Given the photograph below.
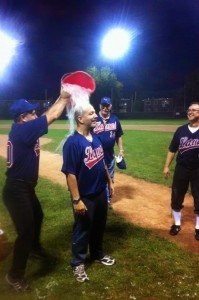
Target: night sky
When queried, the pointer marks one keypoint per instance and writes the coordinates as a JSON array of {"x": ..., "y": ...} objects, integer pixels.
[{"x": 58, "y": 37}]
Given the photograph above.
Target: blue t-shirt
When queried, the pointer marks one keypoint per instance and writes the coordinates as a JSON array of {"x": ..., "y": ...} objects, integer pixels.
[
  {"x": 23, "y": 149},
  {"x": 85, "y": 160},
  {"x": 187, "y": 145},
  {"x": 108, "y": 133}
]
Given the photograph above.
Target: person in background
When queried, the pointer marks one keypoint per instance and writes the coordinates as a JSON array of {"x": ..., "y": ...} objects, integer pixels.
[
  {"x": 87, "y": 176},
  {"x": 186, "y": 143},
  {"x": 19, "y": 195},
  {"x": 109, "y": 130}
]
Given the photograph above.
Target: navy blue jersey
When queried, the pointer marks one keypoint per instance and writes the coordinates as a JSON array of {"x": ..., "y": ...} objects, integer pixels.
[
  {"x": 187, "y": 145},
  {"x": 85, "y": 160},
  {"x": 23, "y": 149},
  {"x": 108, "y": 133}
]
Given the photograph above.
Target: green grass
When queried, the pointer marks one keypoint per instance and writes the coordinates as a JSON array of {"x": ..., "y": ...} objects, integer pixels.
[
  {"x": 145, "y": 152},
  {"x": 128, "y": 122},
  {"x": 148, "y": 266}
]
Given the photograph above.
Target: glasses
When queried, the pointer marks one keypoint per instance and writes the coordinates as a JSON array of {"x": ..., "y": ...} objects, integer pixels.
[
  {"x": 192, "y": 110},
  {"x": 105, "y": 105}
]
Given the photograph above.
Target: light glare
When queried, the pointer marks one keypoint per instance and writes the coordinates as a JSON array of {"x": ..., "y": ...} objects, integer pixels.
[
  {"x": 116, "y": 43},
  {"x": 7, "y": 50}
]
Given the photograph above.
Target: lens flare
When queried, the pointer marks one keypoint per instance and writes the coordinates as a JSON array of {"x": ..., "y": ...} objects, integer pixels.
[
  {"x": 116, "y": 43},
  {"x": 7, "y": 50}
]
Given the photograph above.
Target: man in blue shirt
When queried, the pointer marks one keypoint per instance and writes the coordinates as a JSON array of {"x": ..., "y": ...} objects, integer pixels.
[
  {"x": 19, "y": 195},
  {"x": 109, "y": 131},
  {"x": 87, "y": 176}
]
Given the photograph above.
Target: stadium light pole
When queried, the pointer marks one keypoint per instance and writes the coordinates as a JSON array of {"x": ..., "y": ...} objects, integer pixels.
[{"x": 115, "y": 44}]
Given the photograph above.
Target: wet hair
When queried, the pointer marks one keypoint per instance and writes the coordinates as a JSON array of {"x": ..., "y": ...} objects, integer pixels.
[{"x": 79, "y": 110}]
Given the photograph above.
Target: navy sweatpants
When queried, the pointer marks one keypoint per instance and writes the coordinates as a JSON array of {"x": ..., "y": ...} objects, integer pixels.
[
  {"x": 25, "y": 210},
  {"x": 88, "y": 229}
]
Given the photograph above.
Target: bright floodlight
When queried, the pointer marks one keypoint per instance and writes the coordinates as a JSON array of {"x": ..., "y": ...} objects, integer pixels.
[
  {"x": 7, "y": 49},
  {"x": 116, "y": 43}
]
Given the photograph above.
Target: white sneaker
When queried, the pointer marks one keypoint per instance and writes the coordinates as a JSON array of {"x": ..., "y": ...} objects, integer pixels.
[
  {"x": 80, "y": 273},
  {"x": 107, "y": 260},
  {"x": 1, "y": 232}
]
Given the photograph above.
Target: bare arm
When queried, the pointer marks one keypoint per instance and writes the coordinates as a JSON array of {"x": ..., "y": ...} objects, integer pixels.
[
  {"x": 57, "y": 108},
  {"x": 120, "y": 146},
  {"x": 169, "y": 159},
  {"x": 79, "y": 208}
]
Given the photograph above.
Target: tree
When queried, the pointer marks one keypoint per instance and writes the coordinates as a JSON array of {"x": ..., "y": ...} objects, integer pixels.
[{"x": 106, "y": 85}]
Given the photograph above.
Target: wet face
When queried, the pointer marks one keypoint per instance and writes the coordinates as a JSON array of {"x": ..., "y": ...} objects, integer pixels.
[
  {"x": 88, "y": 118},
  {"x": 193, "y": 112}
]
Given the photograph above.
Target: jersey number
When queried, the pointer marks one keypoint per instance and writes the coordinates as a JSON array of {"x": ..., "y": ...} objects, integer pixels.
[{"x": 9, "y": 154}]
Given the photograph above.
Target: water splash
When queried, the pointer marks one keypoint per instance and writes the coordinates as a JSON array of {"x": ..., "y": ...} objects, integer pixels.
[{"x": 79, "y": 96}]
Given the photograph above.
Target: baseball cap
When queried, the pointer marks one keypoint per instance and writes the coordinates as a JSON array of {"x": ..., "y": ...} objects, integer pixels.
[
  {"x": 21, "y": 106},
  {"x": 120, "y": 162},
  {"x": 106, "y": 100}
]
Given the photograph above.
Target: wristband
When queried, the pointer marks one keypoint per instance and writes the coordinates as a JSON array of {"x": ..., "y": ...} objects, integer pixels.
[{"x": 76, "y": 201}]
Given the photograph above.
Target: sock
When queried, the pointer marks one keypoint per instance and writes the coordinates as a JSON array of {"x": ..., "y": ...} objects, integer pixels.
[
  {"x": 197, "y": 221},
  {"x": 177, "y": 217}
]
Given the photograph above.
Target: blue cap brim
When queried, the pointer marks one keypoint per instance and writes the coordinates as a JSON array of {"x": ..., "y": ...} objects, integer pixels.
[{"x": 121, "y": 165}]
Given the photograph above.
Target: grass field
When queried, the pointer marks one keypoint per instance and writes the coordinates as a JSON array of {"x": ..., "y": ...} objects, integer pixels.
[{"x": 148, "y": 266}]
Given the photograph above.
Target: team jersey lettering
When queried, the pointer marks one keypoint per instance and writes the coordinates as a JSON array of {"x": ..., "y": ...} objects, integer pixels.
[
  {"x": 37, "y": 148},
  {"x": 100, "y": 127},
  {"x": 9, "y": 154},
  {"x": 188, "y": 144},
  {"x": 93, "y": 156}
]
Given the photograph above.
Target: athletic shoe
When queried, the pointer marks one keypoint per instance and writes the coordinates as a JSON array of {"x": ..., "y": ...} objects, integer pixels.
[
  {"x": 1, "y": 232},
  {"x": 19, "y": 285},
  {"x": 197, "y": 234},
  {"x": 174, "y": 229},
  {"x": 80, "y": 273},
  {"x": 107, "y": 260}
]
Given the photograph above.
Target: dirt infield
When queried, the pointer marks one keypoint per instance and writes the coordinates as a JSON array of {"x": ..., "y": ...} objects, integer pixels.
[
  {"x": 140, "y": 202},
  {"x": 169, "y": 128}
]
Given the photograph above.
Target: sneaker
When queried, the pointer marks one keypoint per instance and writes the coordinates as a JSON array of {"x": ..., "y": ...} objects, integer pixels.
[
  {"x": 80, "y": 273},
  {"x": 174, "y": 229},
  {"x": 1, "y": 232},
  {"x": 197, "y": 234},
  {"x": 107, "y": 260},
  {"x": 19, "y": 285}
]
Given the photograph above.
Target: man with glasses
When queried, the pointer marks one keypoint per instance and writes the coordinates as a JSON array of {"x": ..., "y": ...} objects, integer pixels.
[
  {"x": 186, "y": 143},
  {"x": 109, "y": 130},
  {"x": 19, "y": 195}
]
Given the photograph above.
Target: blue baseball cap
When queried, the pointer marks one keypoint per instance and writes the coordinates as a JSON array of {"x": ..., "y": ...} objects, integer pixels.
[
  {"x": 106, "y": 100},
  {"x": 21, "y": 106},
  {"x": 120, "y": 162}
]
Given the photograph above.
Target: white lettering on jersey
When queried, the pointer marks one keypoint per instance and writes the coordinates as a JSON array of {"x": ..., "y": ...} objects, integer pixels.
[
  {"x": 100, "y": 127},
  {"x": 93, "y": 156},
  {"x": 188, "y": 144}
]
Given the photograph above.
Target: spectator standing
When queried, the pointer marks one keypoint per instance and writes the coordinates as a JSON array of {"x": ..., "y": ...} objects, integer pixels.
[
  {"x": 109, "y": 130},
  {"x": 186, "y": 143}
]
